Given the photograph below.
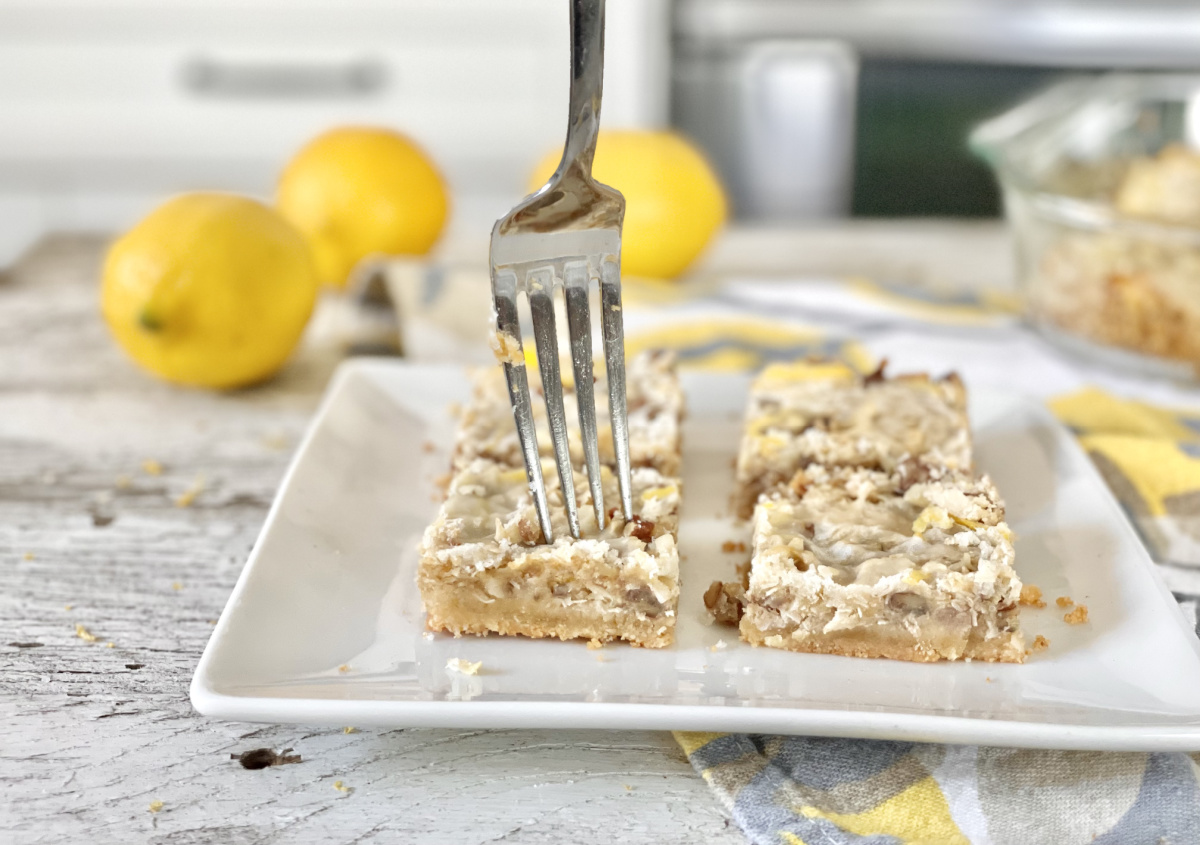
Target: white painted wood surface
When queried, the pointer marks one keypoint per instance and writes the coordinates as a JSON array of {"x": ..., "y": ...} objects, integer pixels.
[{"x": 91, "y": 735}]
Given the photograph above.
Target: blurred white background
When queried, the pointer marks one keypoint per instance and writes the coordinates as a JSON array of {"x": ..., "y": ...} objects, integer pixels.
[
  {"x": 807, "y": 108},
  {"x": 107, "y": 107}
]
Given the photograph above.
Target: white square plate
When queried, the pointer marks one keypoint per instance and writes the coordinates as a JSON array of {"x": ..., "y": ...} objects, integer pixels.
[{"x": 325, "y": 624}]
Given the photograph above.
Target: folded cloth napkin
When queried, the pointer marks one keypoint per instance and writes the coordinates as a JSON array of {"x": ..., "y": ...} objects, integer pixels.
[
  {"x": 819, "y": 791},
  {"x": 1150, "y": 457},
  {"x": 785, "y": 790}
]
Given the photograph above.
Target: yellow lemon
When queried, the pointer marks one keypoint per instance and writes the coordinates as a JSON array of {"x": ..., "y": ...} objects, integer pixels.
[
  {"x": 212, "y": 290},
  {"x": 357, "y": 192},
  {"x": 674, "y": 203}
]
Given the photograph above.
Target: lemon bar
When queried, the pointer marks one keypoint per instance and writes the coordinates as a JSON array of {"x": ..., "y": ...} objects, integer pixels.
[
  {"x": 823, "y": 412},
  {"x": 914, "y": 565},
  {"x": 484, "y": 567}
]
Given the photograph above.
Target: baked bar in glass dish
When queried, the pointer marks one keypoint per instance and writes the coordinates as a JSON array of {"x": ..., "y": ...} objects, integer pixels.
[
  {"x": 484, "y": 567},
  {"x": 914, "y": 564},
  {"x": 824, "y": 412}
]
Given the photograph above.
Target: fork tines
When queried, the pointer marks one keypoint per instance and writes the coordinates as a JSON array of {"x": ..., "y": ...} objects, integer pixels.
[{"x": 539, "y": 279}]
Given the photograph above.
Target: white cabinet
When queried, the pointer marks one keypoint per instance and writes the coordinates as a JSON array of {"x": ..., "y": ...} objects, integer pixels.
[{"x": 105, "y": 108}]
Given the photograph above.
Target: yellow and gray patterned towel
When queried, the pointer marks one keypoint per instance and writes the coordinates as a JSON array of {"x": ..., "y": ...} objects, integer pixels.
[
  {"x": 1150, "y": 457},
  {"x": 819, "y": 791}
]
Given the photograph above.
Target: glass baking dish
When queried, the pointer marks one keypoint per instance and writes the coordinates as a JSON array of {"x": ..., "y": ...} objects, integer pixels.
[{"x": 1101, "y": 184}]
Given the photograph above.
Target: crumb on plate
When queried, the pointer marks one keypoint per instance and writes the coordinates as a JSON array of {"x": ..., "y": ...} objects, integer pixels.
[
  {"x": 1077, "y": 616},
  {"x": 1040, "y": 643},
  {"x": 463, "y": 667},
  {"x": 730, "y": 546},
  {"x": 1064, "y": 601},
  {"x": 1031, "y": 596},
  {"x": 724, "y": 600}
]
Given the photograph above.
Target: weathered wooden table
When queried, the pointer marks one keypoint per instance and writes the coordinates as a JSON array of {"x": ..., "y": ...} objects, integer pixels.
[{"x": 127, "y": 508}]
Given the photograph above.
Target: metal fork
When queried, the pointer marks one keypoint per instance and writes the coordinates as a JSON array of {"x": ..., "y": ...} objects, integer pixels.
[{"x": 567, "y": 234}]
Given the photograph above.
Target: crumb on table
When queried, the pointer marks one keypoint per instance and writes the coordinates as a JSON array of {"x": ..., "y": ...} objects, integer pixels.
[
  {"x": 152, "y": 467},
  {"x": 84, "y": 634},
  {"x": 1064, "y": 601},
  {"x": 1077, "y": 616},
  {"x": 1031, "y": 596},
  {"x": 262, "y": 758},
  {"x": 155, "y": 806},
  {"x": 188, "y": 496}
]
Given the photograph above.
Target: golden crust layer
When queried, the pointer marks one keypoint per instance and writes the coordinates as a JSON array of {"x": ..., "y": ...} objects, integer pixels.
[
  {"x": 872, "y": 644},
  {"x": 460, "y": 614}
]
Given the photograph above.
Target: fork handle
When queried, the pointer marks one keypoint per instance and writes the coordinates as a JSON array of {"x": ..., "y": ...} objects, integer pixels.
[{"x": 587, "y": 83}]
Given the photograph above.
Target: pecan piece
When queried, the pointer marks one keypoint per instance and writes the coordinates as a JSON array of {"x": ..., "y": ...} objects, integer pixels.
[
  {"x": 643, "y": 529},
  {"x": 724, "y": 601}
]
